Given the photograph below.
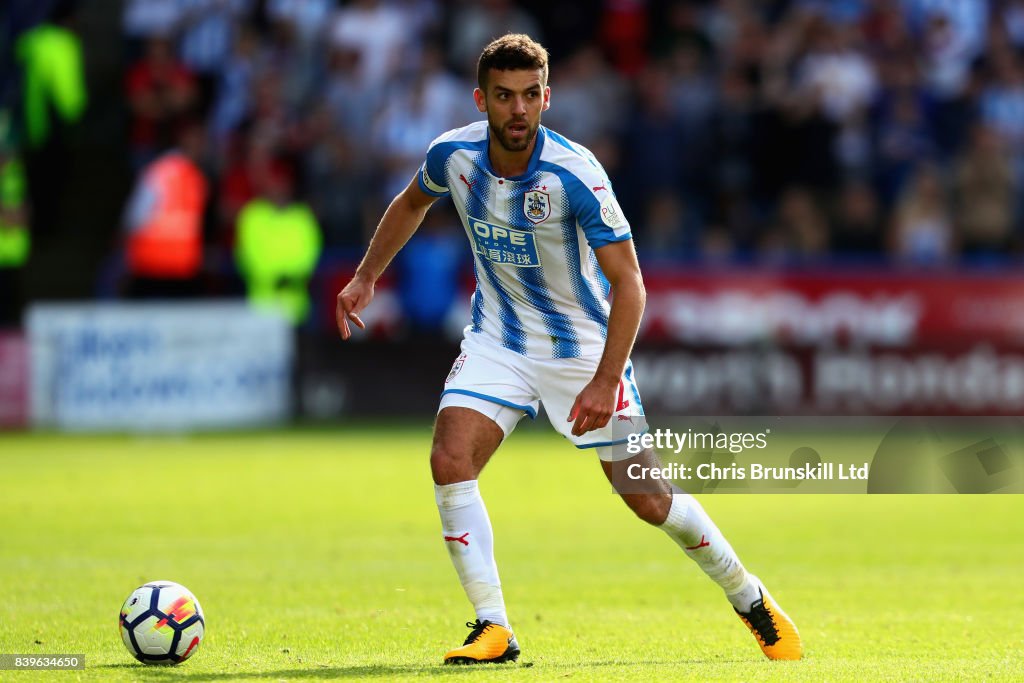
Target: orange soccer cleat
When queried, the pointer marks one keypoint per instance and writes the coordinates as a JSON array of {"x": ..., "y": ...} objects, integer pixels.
[
  {"x": 774, "y": 630},
  {"x": 488, "y": 643}
]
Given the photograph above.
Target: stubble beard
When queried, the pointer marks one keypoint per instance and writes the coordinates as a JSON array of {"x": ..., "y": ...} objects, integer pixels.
[{"x": 507, "y": 144}]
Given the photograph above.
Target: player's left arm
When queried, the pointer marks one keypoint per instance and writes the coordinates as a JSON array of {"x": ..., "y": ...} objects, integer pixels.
[{"x": 595, "y": 405}]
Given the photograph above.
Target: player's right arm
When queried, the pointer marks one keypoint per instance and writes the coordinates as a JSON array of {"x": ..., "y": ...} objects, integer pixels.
[{"x": 400, "y": 221}]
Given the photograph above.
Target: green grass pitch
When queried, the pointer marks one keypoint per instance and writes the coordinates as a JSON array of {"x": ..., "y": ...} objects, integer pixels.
[{"x": 317, "y": 554}]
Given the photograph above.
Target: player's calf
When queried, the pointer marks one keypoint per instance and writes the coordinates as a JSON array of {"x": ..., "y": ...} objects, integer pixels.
[
  {"x": 650, "y": 507},
  {"x": 680, "y": 516},
  {"x": 463, "y": 442},
  {"x": 649, "y": 499}
]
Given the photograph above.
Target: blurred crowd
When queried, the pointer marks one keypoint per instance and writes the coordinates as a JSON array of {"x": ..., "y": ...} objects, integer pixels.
[{"x": 785, "y": 131}]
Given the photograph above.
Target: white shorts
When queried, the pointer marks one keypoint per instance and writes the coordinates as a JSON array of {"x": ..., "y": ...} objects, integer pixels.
[{"x": 505, "y": 386}]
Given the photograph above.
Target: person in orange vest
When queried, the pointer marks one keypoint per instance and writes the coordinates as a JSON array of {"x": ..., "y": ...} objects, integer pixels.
[{"x": 164, "y": 223}]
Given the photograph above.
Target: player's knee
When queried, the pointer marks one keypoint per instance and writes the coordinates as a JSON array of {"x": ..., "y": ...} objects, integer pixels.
[
  {"x": 448, "y": 465},
  {"x": 650, "y": 507}
]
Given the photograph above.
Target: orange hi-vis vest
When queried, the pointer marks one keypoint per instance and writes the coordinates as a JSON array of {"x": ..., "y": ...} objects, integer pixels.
[{"x": 168, "y": 243}]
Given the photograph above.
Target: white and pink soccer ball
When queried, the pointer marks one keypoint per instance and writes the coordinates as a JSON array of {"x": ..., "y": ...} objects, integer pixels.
[{"x": 161, "y": 622}]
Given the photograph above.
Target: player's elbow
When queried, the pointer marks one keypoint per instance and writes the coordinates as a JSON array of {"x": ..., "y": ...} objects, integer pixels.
[
  {"x": 413, "y": 200},
  {"x": 405, "y": 202},
  {"x": 630, "y": 286}
]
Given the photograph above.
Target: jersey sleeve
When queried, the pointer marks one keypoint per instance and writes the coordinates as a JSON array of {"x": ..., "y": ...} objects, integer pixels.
[
  {"x": 431, "y": 176},
  {"x": 599, "y": 213}
]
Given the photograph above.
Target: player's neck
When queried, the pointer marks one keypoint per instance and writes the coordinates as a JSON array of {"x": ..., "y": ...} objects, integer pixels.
[{"x": 508, "y": 164}]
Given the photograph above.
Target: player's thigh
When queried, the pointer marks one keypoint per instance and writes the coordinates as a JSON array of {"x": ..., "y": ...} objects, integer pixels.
[
  {"x": 464, "y": 440},
  {"x": 484, "y": 397}
]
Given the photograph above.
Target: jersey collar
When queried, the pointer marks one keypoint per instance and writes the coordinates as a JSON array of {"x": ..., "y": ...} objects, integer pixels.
[{"x": 531, "y": 167}]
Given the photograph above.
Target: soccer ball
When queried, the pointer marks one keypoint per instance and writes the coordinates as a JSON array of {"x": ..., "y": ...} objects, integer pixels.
[{"x": 161, "y": 623}]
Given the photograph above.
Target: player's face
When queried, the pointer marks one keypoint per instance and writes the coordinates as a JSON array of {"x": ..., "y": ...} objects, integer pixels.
[{"x": 513, "y": 102}]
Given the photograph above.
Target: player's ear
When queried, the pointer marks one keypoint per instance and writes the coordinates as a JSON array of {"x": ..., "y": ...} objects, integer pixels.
[
  {"x": 547, "y": 98},
  {"x": 481, "y": 101}
]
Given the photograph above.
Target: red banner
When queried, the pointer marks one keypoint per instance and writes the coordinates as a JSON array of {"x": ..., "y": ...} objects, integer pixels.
[
  {"x": 858, "y": 342},
  {"x": 892, "y": 310}
]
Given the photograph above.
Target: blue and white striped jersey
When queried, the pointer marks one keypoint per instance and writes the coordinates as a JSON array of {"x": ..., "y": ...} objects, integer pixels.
[{"x": 540, "y": 291}]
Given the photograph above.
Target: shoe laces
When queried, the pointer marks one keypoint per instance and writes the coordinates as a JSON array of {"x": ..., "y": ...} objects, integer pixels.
[
  {"x": 478, "y": 629},
  {"x": 762, "y": 622}
]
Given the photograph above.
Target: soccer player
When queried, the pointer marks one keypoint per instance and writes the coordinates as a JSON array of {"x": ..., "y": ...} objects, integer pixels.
[{"x": 549, "y": 243}]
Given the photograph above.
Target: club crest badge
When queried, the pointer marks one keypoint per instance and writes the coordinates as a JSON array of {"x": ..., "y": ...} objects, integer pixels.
[
  {"x": 536, "y": 206},
  {"x": 456, "y": 368}
]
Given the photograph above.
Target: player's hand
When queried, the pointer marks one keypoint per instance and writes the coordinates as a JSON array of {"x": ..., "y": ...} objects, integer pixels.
[
  {"x": 593, "y": 407},
  {"x": 356, "y": 296}
]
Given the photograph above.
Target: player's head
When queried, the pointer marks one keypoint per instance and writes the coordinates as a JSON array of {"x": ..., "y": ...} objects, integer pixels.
[
  {"x": 512, "y": 52},
  {"x": 512, "y": 75}
]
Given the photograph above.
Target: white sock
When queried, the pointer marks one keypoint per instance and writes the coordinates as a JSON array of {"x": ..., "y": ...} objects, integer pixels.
[
  {"x": 700, "y": 539},
  {"x": 470, "y": 542}
]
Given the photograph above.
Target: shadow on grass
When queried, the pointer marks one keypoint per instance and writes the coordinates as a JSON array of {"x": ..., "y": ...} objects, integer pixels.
[{"x": 379, "y": 670}]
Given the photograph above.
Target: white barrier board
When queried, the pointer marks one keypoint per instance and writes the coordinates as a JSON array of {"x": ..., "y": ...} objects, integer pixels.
[{"x": 157, "y": 366}]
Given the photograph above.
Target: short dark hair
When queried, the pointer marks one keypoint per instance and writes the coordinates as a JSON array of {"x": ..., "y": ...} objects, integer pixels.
[{"x": 511, "y": 52}]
